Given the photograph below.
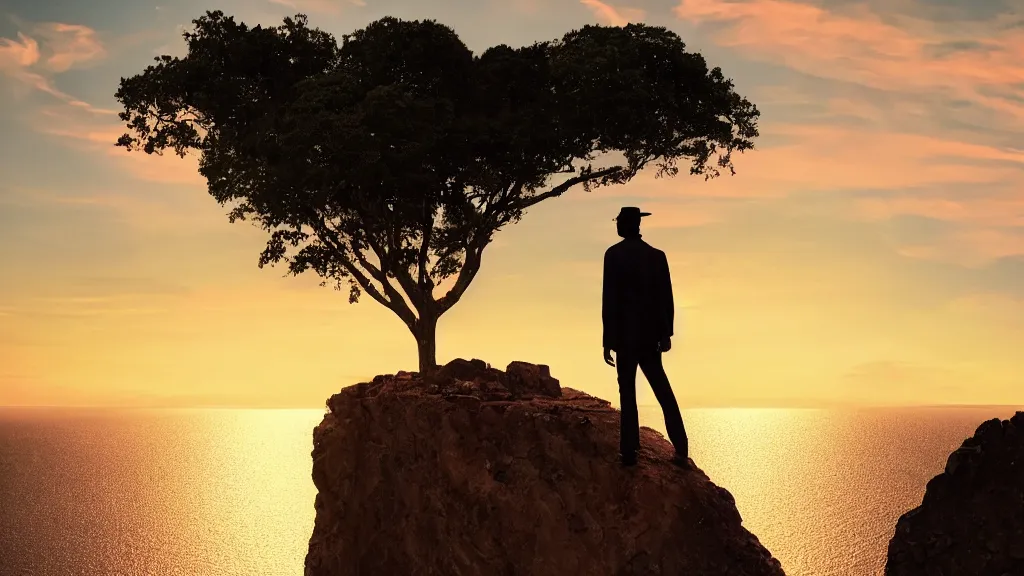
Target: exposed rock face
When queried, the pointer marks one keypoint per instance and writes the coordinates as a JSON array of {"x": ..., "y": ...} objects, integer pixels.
[
  {"x": 971, "y": 520},
  {"x": 482, "y": 472}
]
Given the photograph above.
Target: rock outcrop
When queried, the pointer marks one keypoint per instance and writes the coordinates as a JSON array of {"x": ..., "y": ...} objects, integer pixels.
[
  {"x": 971, "y": 519},
  {"x": 475, "y": 471}
]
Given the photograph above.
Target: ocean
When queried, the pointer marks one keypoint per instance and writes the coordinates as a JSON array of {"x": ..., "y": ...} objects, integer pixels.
[{"x": 228, "y": 492}]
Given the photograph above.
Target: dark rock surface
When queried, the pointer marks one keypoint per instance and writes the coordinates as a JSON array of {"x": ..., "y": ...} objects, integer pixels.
[
  {"x": 476, "y": 471},
  {"x": 971, "y": 520}
]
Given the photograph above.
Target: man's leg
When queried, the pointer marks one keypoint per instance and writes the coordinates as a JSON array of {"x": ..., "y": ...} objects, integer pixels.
[
  {"x": 629, "y": 431},
  {"x": 654, "y": 371}
]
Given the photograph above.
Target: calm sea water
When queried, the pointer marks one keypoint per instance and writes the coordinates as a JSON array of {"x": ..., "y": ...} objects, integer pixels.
[{"x": 228, "y": 492}]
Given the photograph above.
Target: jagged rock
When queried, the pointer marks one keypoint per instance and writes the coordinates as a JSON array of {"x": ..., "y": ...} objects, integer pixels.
[
  {"x": 525, "y": 379},
  {"x": 971, "y": 519},
  {"x": 457, "y": 475}
]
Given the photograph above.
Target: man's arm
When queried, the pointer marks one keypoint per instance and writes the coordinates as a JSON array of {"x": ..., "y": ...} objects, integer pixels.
[
  {"x": 668, "y": 308},
  {"x": 608, "y": 291}
]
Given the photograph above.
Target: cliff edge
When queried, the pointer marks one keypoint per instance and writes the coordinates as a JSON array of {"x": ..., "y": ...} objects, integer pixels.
[
  {"x": 971, "y": 519},
  {"x": 476, "y": 471}
]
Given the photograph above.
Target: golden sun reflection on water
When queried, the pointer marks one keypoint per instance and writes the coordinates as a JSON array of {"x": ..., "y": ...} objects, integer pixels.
[
  {"x": 162, "y": 493},
  {"x": 260, "y": 491},
  {"x": 822, "y": 489},
  {"x": 771, "y": 460},
  {"x": 228, "y": 492}
]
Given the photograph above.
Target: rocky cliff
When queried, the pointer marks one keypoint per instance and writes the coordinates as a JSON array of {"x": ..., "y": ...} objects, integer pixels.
[
  {"x": 476, "y": 471},
  {"x": 971, "y": 519}
]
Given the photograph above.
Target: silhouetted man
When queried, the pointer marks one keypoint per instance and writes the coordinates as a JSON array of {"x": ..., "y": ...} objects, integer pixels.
[{"x": 638, "y": 311}]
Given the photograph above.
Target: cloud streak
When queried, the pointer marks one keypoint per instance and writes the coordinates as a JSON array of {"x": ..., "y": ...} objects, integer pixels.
[
  {"x": 99, "y": 136},
  {"x": 66, "y": 46},
  {"x": 614, "y": 15},
  {"x": 823, "y": 157},
  {"x": 20, "y": 53},
  {"x": 319, "y": 6},
  {"x": 859, "y": 46},
  {"x": 70, "y": 45},
  {"x": 986, "y": 211},
  {"x": 883, "y": 139}
]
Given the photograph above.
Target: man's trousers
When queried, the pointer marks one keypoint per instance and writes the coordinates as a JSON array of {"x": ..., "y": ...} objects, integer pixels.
[{"x": 649, "y": 361}]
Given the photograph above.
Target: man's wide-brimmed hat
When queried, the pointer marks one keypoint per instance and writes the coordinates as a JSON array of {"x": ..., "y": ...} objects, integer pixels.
[{"x": 631, "y": 213}]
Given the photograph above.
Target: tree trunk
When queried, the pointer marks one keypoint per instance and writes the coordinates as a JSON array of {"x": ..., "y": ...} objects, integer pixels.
[{"x": 425, "y": 331}]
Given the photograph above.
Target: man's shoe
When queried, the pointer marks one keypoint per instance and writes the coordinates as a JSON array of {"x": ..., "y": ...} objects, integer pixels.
[{"x": 629, "y": 460}]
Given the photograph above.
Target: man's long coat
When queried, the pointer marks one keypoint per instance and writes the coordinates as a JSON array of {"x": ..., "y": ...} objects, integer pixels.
[{"x": 637, "y": 308}]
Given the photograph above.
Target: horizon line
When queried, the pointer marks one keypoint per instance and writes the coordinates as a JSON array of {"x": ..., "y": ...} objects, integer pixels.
[{"x": 704, "y": 406}]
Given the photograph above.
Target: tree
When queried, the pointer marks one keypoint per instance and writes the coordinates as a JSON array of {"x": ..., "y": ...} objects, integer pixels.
[{"x": 389, "y": 162}]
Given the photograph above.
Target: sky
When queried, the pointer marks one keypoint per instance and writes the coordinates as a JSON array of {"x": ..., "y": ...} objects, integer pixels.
[{"x": 869, "y": 251}]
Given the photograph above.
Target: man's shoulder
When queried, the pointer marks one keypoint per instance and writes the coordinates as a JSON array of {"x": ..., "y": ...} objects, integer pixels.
[
  {"x": 625, "y": 247},
  {"x": 644, "y": 246},
  {"x": 616, "y": 248}
]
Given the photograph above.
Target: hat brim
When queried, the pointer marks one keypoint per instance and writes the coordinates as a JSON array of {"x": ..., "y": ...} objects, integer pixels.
[{"x": 641, "y": 215}]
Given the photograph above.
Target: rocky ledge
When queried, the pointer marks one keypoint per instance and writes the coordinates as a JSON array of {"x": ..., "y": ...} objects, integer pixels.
[
  {"x": 971, "y": 519},
  {"x": 476, "y": 471}
]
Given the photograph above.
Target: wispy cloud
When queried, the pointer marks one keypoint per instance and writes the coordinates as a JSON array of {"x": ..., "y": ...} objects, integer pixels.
[
  {"x": 980, "y": 61},
  {"x": 823, "y": 157},
  {"x": 99, "y": 135},
  {"x": 20, "y": 53},
  {"x": 93, "y": 306},
  {"x": 66, "y": 46},
  {"x": 614, "y": 15},
  {"x": 319, "y": 6},
  {"x": 1007, "y": 210},
  {"x": 871, "y": 175},
  {"x": 70, "y": 45},
  {"x": 973, "y": 248}
]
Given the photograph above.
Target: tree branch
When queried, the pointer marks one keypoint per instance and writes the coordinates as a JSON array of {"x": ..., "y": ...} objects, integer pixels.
[
  {"x": 475, "y": 248},
  {"x": 393, "y": 301},
  {"x": 561, "y": 188},
  {"x": 425, "y": 281},
  {"x": 370, "y": 289},
  {"x": 382, "y": 277},
  {"x": 470, "y": 267},
  {"x": 401, "y": 274},
  {"x": 500, "y": 205}
]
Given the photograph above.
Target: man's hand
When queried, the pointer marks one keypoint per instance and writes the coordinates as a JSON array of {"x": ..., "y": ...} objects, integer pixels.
[
  {"x": 665, "y": 345},
  {"x": 608, "y": 357}
]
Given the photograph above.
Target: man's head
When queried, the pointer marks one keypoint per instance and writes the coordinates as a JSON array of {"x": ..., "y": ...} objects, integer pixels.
[{"x": 627, "y": 223}]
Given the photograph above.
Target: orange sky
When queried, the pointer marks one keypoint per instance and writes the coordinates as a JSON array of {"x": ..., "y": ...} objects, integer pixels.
[{"x": 871, "y": 251}]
